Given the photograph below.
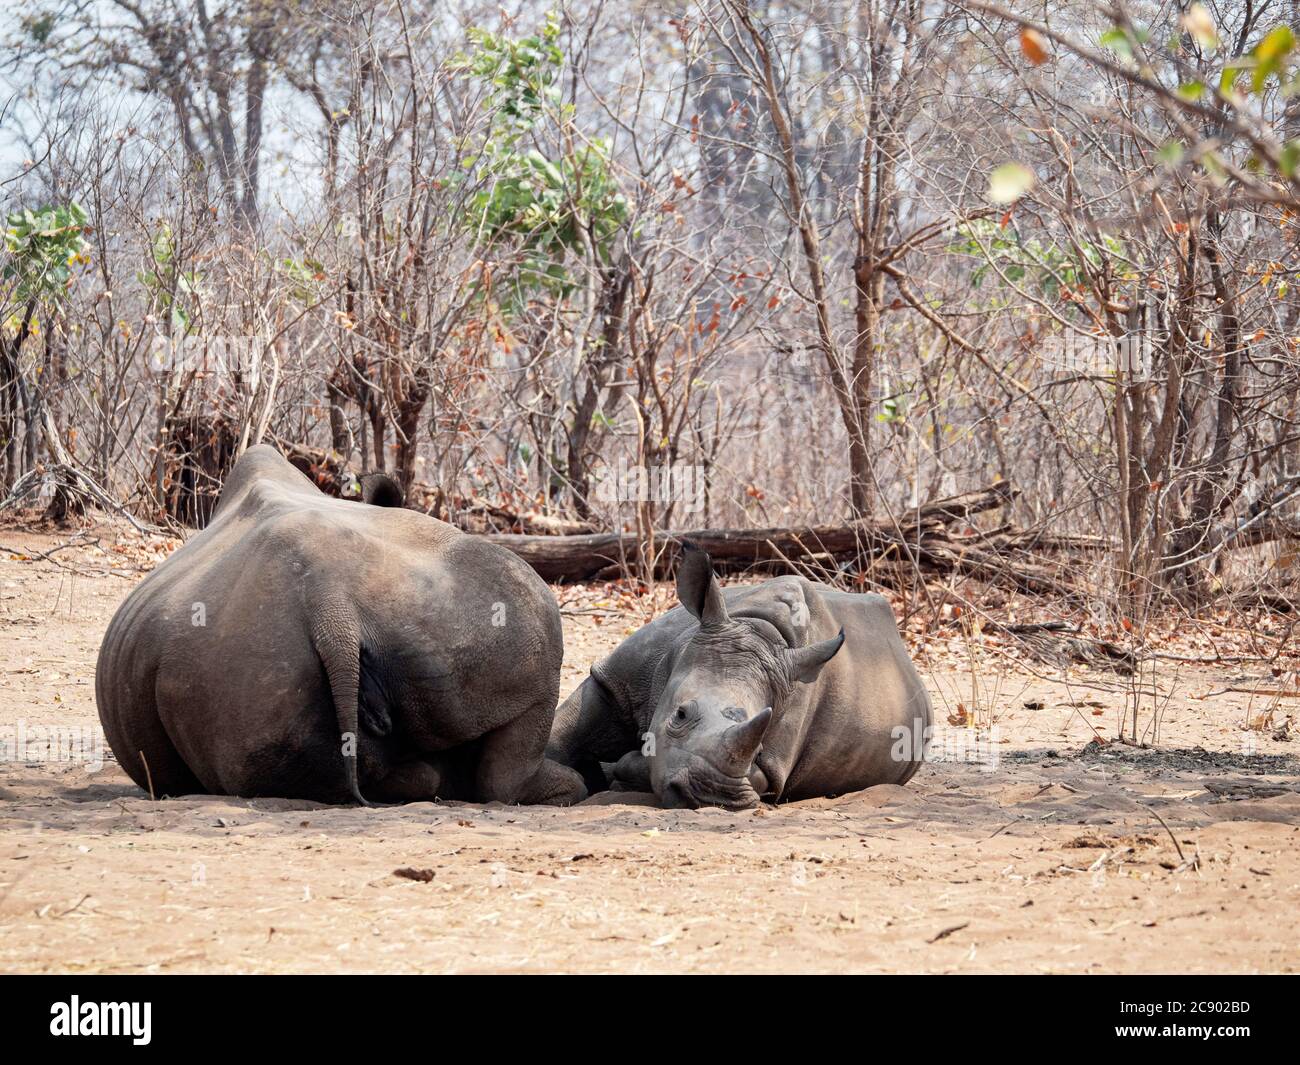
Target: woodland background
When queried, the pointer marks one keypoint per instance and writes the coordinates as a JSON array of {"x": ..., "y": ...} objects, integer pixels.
[{"x": 845, "y": 258}]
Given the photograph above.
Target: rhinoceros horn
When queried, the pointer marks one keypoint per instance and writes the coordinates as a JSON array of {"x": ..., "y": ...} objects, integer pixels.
[
  {"x": 740, "y": 742},
  {"x": 805, "y": 663}
]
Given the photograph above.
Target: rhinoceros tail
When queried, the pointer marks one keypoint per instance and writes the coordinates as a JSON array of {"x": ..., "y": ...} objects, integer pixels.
[{"x": 338, "y": 643}]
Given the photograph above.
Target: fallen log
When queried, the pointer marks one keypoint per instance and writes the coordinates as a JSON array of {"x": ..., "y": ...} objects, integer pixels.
[
  {"x": 895, "y": 543},
  {"x": 955, "y": 508},
  {"x": 918, "y": 538},
  {"x": 891, "y": 547}
]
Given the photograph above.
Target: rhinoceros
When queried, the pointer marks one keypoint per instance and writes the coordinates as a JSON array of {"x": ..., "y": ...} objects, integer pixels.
[
  {"x": 319, "y": 648},
  {"x": 783, "y": 690}
]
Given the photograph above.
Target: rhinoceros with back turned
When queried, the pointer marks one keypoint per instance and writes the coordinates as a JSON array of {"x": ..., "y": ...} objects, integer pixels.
[
  {"x": 783, "y": 690},
  {"x": 317, "y": 648}
]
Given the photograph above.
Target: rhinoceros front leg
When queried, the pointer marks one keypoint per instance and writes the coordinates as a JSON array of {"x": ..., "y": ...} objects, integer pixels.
[
  {"x": 767, "y": 776},
  {"x": 631, "y": 773},
  {"x": 512, "y": 766},
  {"x": 589, "y": 732}
]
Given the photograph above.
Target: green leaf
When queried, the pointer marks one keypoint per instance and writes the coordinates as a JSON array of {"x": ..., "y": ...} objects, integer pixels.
[
  {"x": 1171, "y": 154},
  {"x": 43, "y": 246},
  {"x": 1289, "y": 159},
  {"x": 1214, "y": 168},
  {"x": 1117, "y": 41},
  {"x": 1270, "y": 54},
  {"x": 1228, "y": 81}
]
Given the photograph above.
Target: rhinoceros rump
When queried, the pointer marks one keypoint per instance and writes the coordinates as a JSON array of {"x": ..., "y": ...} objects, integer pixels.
[
  {"x": 782, "y": 690},
  {"x": 316, "y": 648}
]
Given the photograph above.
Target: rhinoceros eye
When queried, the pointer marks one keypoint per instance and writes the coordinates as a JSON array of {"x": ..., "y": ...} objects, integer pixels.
[{"x": 683, "y": 718}]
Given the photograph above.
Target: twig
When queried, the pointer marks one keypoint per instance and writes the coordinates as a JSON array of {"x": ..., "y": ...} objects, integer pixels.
[{"x": 148, "y": 776}]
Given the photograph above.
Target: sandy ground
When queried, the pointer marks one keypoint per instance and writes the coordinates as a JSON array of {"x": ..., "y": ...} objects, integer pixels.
[{"x": 1068, "y": 855}]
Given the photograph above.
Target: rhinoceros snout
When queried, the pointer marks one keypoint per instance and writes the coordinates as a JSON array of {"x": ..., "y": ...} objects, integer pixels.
[{"x": 677, "y": 795}]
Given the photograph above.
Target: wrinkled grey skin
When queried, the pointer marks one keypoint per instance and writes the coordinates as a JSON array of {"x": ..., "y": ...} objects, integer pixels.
[
  {"x": 323, "y": 619},
  {"x": 778, "y": 691}
]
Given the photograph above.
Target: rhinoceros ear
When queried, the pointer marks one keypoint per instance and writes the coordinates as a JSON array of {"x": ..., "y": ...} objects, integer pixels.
[
  {"x": 804, "y": 663},
  {"x": 698, "y": 588},
  {"x": 380, "y": 490}
]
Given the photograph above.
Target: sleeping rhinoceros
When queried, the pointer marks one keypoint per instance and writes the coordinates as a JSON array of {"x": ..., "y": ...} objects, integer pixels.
[
  {"x": 317, "y": 648},
  {"x": 782, "y": 690}
]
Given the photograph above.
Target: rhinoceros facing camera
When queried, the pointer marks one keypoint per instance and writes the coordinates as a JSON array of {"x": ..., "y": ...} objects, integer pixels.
[{"x": 782, "y": 690}]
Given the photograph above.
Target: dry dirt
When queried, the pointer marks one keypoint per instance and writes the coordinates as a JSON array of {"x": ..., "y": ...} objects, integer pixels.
[{"x": 1066, "y": 856}]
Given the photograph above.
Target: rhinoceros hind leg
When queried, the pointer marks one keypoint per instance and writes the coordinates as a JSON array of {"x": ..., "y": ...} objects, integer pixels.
[
  {"x": 513, "y": 768},
  {"x": 146, "y": 752},
  {"x": 554, "y": 785},
  {"x": 420, "y": 780},
  {"x": 162, "y": 773}
]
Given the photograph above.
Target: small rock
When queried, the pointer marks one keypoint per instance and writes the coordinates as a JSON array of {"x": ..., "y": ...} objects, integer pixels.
[{"x": 422, "y": 875}]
